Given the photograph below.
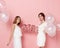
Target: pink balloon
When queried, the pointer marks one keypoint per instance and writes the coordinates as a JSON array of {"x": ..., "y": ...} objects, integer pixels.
[
  {"x": 36, "y": 29},
  {"x": 28, "y": 27},
  {"x": 23, "y": 28},
  {"x": 32, "y": 28}
]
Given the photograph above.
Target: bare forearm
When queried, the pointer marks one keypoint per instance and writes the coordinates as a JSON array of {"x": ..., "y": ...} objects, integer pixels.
[
  {"x": 10, "y": 38},
  {"x": 11, "y": 35}
]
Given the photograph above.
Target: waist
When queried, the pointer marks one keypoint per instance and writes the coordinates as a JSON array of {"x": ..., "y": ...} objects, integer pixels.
[{"x": 41, "y": 33}]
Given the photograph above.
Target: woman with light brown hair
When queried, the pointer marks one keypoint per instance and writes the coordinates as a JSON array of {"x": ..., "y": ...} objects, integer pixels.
[{"x": 16, "y": 33}]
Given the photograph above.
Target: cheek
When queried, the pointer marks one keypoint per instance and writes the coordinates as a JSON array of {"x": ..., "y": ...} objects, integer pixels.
[
  {"x": 17, "y": 20},
  {"x": 41, "y": 18}
]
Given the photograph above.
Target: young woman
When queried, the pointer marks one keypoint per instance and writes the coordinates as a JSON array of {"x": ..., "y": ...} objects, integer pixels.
[
  {"x": 16, "y": 33},
  {"x": 41, "y": 37}
]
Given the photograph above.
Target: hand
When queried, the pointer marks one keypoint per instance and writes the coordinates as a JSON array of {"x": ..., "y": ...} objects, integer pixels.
[
  {"x": 45, "y": 31},
  {"x": 8, "y": 44}
]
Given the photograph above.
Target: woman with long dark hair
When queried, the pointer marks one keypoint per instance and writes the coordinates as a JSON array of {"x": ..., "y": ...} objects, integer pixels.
[{"x": 41, "y": 37}]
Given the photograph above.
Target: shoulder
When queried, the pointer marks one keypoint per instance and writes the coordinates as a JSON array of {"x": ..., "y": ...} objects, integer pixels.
[
  {"x": 45, "y": 23},
  {"x": 13, "y": 25}
]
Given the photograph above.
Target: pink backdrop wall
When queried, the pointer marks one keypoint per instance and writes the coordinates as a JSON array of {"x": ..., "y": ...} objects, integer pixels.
[{"x": 28, "y": 10}]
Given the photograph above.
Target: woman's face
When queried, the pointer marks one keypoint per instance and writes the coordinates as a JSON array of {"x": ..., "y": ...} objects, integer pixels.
[
  {"x": 18, "y": 20},
  {"x": 41, "y": 18}
]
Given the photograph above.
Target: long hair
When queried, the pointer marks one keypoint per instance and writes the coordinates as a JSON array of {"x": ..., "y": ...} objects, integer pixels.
[
  {"x": 15, "y": 20},
  {"x": 42, "y": 14}
]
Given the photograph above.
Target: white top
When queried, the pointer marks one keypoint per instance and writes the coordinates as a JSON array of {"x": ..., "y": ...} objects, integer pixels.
[
  {"x": 17, "y": 37},
  {"x": 41, "y": 37},
  {"x": 17, "y": 32},
  {"x": 42, "y": 27}
]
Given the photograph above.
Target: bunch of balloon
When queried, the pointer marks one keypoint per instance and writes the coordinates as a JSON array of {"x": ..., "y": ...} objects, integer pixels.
[
  {"x": 51, "y": 27},
  {"x": 58, "y": 27},
  {"x": 3, "y": 12},
  {"x": 24, "y": 28},
  {"x": 28, "y": 27},
  {"x": 34, "y": 28}
]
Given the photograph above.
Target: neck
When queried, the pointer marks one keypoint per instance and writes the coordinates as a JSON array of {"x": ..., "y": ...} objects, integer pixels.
[
  {"x": 42, "y": 21},
  {"x": 16, "y": 23}
]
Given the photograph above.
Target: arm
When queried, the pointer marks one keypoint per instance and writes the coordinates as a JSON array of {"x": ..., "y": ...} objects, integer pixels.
[
  {"x": 45, "y": 31},
  {"x": 11, "y": 35}
]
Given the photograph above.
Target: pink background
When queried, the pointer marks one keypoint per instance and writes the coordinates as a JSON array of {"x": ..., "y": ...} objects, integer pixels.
[{"x": 28, "y": 10}]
